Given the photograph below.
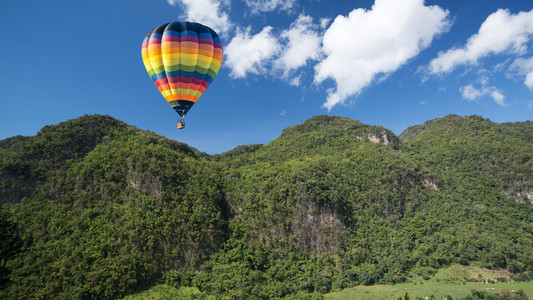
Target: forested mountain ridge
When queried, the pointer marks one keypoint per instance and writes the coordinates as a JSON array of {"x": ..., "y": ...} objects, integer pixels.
[
  {"x": 318, "y": 136},
  {"x": 24, "y": 160},
  {"x": 472, "y": 149},
  {"x": 104, "y": 207},
  {"x": 96, "y": 208}
]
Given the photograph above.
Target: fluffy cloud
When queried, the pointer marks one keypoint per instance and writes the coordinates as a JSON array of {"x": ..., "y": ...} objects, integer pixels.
[
  {"x": 248, "y": 53},
  {"x": 498, "y": 97},
  {"x": 379, "y": 41},
  {"x": 207, "y": 12},
  {"x": 529, "y": 80},
  {"x": 261, "y": 6},
  {"x": 523, "y": 67},
  {"x": 471, "y": 93},
  {"x": 302, "y": 44},
  {"x": 501, "y": 32},
  {"x": 267, "y": 53}
]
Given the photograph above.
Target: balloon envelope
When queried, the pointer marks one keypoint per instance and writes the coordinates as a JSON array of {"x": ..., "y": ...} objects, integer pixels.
[{"x": 182, "y": 58}]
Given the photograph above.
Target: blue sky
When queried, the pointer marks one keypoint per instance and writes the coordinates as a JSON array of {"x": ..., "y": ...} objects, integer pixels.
[{"x": 386, "y": 62}]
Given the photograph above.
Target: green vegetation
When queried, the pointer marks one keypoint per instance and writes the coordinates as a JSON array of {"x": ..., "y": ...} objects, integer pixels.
[
  {"x": 453, "y": 282},
  {"x": 436, "y": 291},
  {"x": 163, "y": 291},
  {"x": 98, "y": 209}
]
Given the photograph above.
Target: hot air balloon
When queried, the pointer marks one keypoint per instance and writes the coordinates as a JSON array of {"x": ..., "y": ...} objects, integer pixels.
[{"x": 182, "y": 58}]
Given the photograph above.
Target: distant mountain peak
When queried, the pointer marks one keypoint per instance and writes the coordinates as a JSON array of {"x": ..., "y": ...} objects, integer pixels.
[
  {"x": 323, "y": 128},
  {"x": 451, "y": 122}
]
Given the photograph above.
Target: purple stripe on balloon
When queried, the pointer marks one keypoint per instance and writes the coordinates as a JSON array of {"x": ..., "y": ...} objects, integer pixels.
[{"x": 183, "y": 79}]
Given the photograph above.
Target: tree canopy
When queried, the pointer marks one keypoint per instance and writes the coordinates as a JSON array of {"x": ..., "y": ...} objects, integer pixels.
[{"x": 95, "y": 208}]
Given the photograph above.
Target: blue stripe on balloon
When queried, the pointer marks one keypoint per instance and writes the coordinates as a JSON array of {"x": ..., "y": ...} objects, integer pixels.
[
  {"x": 160, "y": 75},
  {"x": 178, "y": 34},
  {"x": 205, "y": 36},
  {"x": 189, "y": 75}
]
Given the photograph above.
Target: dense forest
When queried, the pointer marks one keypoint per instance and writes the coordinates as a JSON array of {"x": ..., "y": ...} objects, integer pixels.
[{"x": 95, "y": 208}]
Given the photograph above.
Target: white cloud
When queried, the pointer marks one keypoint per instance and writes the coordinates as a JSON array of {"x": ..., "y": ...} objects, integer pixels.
[
  {"x": 303, "y": 44},
  {"x": 498, "y": 97},
  {"x": 523, "y": 67},
  {"x": 251, "y": 54},
  {"x": 295, "y": 81},
  {"x": 324, "y": 23},
  {"x": 471, "y": 93},
  {"x": 378, "y": 41},
  {"x": 529, "y": 80},
  {"x": 483, "y": 79},
  {"x": 262, "y": 6},
  {"x": 501, "y": 32},
  {"x": 207, "y": 12}
]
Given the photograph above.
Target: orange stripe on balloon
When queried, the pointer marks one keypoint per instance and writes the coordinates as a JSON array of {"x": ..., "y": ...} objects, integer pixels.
[
  {"x": 206, "y": 46},
  {"x": 185, "y": 97},
  {"x": 205, "y": 52},
  {"x": 192, "y": 45}
]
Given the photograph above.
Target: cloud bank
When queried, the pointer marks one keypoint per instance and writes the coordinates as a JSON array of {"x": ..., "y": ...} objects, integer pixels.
[
  {"x": 501, "y": 32},
  {"x": 268, "y": 53},
  {"x": 355, "y": 50},
  {"x": 364, "y": 44}
]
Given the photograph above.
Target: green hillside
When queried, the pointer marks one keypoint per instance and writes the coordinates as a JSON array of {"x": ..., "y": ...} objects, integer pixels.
[
  {"x": 477, "y": 155},
  {"x": 98, "y": 209},
  {"x": 113, "y": 208}
]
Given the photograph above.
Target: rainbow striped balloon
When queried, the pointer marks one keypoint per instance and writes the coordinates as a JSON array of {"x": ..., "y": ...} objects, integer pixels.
[{"x": 182, "y": 58}]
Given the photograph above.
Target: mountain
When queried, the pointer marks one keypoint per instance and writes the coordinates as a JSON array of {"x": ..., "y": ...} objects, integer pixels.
[
  {"x": 103, "y": 207},
  {"x": 475, "y": 152},
  {"x": 98, "y": 209},
  {"x": 26, "y": 160}
]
